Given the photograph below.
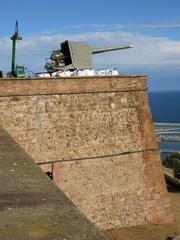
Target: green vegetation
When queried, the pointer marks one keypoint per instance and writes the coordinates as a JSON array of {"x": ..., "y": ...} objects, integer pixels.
[
  {"x": 177, "y": 168},
  {"x": 173, "y": 161}
]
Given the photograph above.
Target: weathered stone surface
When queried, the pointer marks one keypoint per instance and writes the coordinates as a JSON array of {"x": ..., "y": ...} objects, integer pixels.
[
  {"x": 177, "y": 237},
  {"x": 97, "y": 137},
  {"x": 62, "y": 127},
  {"x": 111, "y": 191},
  {"x": 116, "y": 191}
]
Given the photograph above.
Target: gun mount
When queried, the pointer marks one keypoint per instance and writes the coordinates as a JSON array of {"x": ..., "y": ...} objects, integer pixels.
[{"x": 76, "y": 55}]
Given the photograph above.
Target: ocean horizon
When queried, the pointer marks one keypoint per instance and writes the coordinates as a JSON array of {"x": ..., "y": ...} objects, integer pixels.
[{"x": 165, "y": 106}]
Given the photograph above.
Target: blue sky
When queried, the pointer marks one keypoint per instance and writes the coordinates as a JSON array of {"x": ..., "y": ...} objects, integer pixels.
[{"x": 152, "y": 26}]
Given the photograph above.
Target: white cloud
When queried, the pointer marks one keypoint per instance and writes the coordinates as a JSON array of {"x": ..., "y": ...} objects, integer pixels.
[
  {"x": 33, "y": 50},
  {"x": 118, "y": 26}
]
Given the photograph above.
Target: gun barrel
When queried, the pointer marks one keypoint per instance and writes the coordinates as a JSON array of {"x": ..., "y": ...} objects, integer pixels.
[{"x": 108, "y": 49}]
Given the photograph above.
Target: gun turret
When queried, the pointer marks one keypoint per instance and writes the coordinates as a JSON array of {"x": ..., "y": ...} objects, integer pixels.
[{"x": 76, "y": 55}]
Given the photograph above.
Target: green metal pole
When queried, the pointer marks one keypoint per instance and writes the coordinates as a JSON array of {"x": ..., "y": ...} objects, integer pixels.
[
  {"x": 13, "y": 57},
  {"x": 14, "y": 38}
]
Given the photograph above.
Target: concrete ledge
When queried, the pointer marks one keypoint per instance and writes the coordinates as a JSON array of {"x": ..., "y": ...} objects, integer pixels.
[{"x": 50, "y": 86}]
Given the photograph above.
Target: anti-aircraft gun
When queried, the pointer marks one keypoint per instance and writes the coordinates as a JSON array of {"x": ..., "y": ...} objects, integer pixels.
[{"x": 76, "y": 55}]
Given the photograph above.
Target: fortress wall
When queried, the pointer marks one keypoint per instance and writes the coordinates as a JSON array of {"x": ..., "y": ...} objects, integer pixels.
[{"x": 96, "y": 136}]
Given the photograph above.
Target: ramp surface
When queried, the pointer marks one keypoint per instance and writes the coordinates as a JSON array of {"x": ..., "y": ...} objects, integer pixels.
[{"x": 31, "y": 206}]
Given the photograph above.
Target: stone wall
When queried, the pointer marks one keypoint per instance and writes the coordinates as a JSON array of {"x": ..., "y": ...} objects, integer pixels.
[{"x": 96, "y": 136}]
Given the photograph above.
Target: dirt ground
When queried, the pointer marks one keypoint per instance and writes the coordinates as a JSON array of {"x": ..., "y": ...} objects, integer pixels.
[{"x": 151, "y": 232}]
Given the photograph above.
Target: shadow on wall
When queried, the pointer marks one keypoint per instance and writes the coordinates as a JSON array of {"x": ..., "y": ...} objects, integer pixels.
[{"x": 11, "y": 150}]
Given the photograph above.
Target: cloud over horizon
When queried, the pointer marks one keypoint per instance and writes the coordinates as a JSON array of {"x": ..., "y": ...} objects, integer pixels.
[{"x": 119, "y": 26}]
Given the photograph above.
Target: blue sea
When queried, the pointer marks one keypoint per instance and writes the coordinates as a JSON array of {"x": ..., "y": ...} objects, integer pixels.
[{"x": 165, "y": 107}]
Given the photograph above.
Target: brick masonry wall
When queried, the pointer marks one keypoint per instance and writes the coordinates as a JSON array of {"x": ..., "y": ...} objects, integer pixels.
[{"x": 97, "y": 138}]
